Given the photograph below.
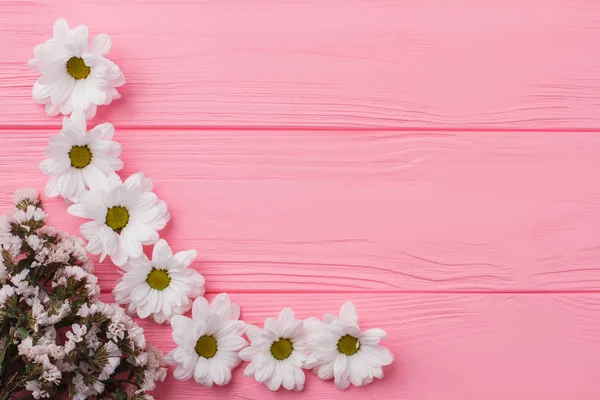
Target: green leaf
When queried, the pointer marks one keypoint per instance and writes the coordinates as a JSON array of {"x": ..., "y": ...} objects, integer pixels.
[
  {"x": 121, "y": 394},
  {"x": 23, "y": 333}
]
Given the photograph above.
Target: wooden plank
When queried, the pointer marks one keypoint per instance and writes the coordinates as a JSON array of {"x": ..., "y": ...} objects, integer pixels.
[
  {"x": 284, "y": 63},
  {"x": 446, "y": 346},
  {"x": 312, "y": 211}
]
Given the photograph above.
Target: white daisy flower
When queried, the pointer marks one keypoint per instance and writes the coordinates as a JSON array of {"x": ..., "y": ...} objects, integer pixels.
[
  {"x": 77, "y": 157},
  {"x": 208, "y": 343},
  {"x": 125, "y": 216},
  {"x": 75, "y": 73},
  {"x": 341, "y": 351},
  {"x": 161, "y": 287},
  {"x": 278, "y": 352}
]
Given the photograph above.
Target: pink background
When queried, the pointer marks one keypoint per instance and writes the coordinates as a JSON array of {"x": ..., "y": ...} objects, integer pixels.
[{"x": 435, "y": 161}]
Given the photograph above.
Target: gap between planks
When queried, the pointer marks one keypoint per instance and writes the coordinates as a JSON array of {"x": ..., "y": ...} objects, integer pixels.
[
  {"x": 295, "y": 128},
  {"x": 416, "y": 292}
]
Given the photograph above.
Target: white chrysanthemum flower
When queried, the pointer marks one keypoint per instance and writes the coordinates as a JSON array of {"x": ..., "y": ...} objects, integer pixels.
[
  {"x": 161, "y": 287},
  {"x": 77, "y": 157},
  {"x": 208, "y": 343},
  {"x": 75, "y": 73},
  {"x": 341, "y": 351},
  {"x": 278, "y": 352},
  {"x": 126, "y": 215}
]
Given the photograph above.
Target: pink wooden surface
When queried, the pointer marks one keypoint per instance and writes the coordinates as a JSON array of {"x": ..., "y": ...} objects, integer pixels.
[{"x": 434, "y": 161}]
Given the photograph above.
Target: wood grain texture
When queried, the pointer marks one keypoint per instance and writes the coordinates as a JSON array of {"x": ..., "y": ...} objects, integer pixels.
[
  {"x": 446, "y": 347},
  {"x": 309, "y": 211},
  {"x": 431, "y": 63},
  {"x": 435, "y": 161}
]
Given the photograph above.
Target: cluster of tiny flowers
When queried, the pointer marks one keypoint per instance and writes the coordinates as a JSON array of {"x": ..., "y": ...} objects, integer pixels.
[
  {"x": 57, "y": 339},
  {"x": 211, "y": 344},
  {"x": 124, "y": 215}
]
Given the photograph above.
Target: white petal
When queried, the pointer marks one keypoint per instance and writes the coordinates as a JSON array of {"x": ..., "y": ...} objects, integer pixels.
[
  {"x": 76, "y": 122},
  {"x": 253, "y": 332},
  {"x": 90, "y": 112},
  {"x": 247, "y": 353},
  {"x": 120, "y": 257},
  {"x": 201, "y": 370},
  {"x": 274, "y": 383},
  {"x": 186, "y": 370},
  {"x": 377, "y": 355},
  {"x": 114, "y": 76},
  {"x": 299, "y": 379},
  {"x": 340, "y": 366},
  {"x": 212, "y": 324},
  {"x": 221, "y": 305},
  {"x": 232, "y": 343},
  {"x": 142, "y": 233},
  {"x": 287, "y": 374},
  {"x": 101, "y": 44},
  {"x": 286, "y": 317},
  {"x": 52, "y": 110},
  {"x": 61, "y": 30},
  {"x": 51, "y": 188},
  {"x": 56, "y": 166},
  {"x": 70, "y": 183},
  {"x": 200, "y": 309},
  {"x": 186, "y": 257},
  {"x": 103, "y": 131},
  {"x": 266, "y": 371},
  {"x": 80, "y": 97},
  {"x": 92, "y": 176},
  {"x": 249, "y": 371},
  {"x": 109, "y": 240},
  {"x": 183, "y": 331},
  {"x": 272, "y": 325},
  {"x": 161, "y": 251},
  {"x": 372, "y": 337},
  {"x": 90, "y": 228},
  {"x": 348, "y": 312},
  {"x": 94, "y": 246},
  {"x": 342, "y": 383},
  {"x": 357, "y": 372},
  {"x": 221, "y": 375},
  {"x": 41, "y": 92},
  {"x": 325, "y": 371},
  {"x": 131, "y": 247},
  {"x": 78, "y": 38}
]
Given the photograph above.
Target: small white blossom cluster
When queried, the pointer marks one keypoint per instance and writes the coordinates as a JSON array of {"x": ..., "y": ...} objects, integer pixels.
[{"x": 57, "y": 339}]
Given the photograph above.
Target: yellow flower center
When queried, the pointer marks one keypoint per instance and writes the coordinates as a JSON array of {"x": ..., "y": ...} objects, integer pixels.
[
  {"x": 81, "y": 156},
  {"x": 282, "y": 349},
  {"x": 158, "y": 279},
  {"x": 348, "y": 345},
  {"x": 117, "y": 218},
  {"x": 77, "y": 69},
  {"x": 206, "y": 346}
]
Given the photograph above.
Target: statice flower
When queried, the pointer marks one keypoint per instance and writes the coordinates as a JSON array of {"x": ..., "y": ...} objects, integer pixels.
[{"x": 57, "y": 339}]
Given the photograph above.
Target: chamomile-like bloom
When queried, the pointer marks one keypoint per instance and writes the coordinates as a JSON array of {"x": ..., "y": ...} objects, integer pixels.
[
  {"x": 278, "y": 352},
  {"x": 161, "y": 287},
  {"x": 75, "y": 73},
  {"x": 78, "y": 157},
  {"x": 125, "y": 216},
  {"x": 208, "y": 343},
  {"x": 341, "y": 351}
]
